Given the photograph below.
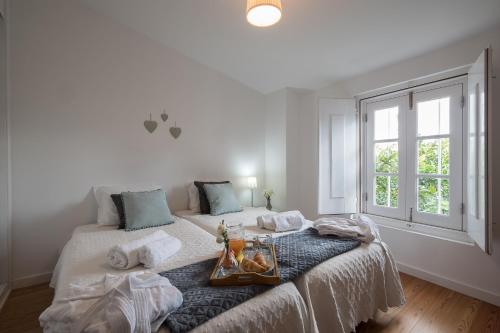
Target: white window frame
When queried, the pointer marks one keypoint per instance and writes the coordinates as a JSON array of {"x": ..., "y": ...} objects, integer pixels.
[
  {"x": 456, "y": 219},
  {"x": 388, "y": 102}
]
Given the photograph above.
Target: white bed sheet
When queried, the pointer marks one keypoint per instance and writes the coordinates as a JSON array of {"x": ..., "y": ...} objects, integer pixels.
[
  {"x": 340, "y": 292},
  {"x": 83, "y": 260},
  {"x": 248, "y": 218}
]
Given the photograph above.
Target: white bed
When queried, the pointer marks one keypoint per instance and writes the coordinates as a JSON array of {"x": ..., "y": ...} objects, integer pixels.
[
  {"x": 83, "y": 260},
  {"x": 248, "y": 218},
  {"x": 340, "y": 292}
]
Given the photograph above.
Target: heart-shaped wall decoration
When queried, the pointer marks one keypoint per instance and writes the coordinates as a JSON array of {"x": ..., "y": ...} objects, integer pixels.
[
  {"x": 175, "y": 131},
  {"x": 164, "y": 116},
  {"x": 150, "y": 124}
]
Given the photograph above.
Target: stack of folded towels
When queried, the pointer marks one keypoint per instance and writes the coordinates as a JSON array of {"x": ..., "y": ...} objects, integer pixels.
[
  {"x": 281, "y": 222},
  {"x": 150, "y": 250},
  {"x": 361, "y": 227}
]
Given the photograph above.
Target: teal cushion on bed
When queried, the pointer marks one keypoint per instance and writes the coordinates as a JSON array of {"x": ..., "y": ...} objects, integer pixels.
[
  {"x": 222, "y": 199},
  {"x": 145, "y": 209}
]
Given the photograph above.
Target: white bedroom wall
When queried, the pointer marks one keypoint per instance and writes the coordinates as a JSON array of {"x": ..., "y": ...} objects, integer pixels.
[
  {"x": 458, "y": 266},
  {"x": 81, "y": 87},
  {"x": 292, "y": 149},
  {"x": 275, "y": 127},
  {"x": 283, "y": 154}
]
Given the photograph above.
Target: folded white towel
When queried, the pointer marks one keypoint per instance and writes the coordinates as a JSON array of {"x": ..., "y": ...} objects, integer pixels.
[
  {"x": 153, "y": 254},
  {"x": 126, "y": 256},
  {"x": 281, "y": 222},
  {"x": 362, "y": 227},
  {"x": 134, "y": 302}
]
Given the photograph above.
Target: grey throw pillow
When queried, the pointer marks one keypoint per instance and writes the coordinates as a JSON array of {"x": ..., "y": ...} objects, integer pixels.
[
  {"x": 204, "y": 204},
  {"x": 145, "y": 209},
  {"x": 222, "y": 199},
  {"x": 117, "y": 200}
]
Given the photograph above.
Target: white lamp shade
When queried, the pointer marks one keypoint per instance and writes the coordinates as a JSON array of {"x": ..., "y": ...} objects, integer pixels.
[
  {"x": 263, "y": 13},
  {"x": 252, "y": 182}
]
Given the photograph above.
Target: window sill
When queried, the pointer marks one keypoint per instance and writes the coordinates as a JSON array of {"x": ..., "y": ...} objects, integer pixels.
[{"x": 422, "y": 229}]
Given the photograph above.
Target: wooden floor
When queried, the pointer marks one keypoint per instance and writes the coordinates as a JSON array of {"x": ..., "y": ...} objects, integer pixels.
[
  {"x": 429, "y": 308},
  {"x": 22, "y": 308}
]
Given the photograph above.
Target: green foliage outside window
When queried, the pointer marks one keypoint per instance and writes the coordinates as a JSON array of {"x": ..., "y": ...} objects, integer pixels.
[
  {"x": 386, "y": 161},
  {"x": 433, "y": 193}
]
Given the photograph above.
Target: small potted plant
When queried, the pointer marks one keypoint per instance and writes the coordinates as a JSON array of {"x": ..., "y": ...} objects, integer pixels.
[
  {"x": 268, "y": 194},
  {"x": 229, "y": 261}
]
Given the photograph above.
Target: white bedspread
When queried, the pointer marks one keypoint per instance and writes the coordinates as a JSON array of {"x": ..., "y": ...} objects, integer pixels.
[
  {"x": 83, "y": 260},
  {"x": 350, "y": 288},
  {"x": 247, "y": 217},
  {"x": 340, "y": 292}
]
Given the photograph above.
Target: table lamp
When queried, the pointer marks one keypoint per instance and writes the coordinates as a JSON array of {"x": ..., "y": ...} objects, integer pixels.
[{"x": 252, "y": 184}]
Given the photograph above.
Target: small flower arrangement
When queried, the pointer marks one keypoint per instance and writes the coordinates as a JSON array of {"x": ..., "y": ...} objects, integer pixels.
[
  {"x": 229, "y": 261},
  {"x": 268, "y": 194},
  {"x": 222, "y": 235}
]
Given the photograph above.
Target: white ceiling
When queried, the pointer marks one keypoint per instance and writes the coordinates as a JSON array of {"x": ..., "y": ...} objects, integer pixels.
[{"x": 317, "y": 42}]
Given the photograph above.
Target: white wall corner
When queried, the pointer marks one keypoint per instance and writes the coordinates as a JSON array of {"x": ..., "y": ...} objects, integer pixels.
[
  {"x": 4, "y": 294},
  {"x": 3, "y": 8}
]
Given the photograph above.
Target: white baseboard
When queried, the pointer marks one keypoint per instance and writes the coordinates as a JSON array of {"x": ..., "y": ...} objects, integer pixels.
[
  {"x": 31, "y": 280},
  {"x": 460, "y": 287}
]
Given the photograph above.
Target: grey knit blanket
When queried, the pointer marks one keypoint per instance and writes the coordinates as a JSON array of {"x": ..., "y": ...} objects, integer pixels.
[{"x": 296, "y": 253}]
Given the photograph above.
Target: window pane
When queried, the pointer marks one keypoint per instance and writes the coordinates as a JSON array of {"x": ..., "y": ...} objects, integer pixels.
[
  {"x": 434, "y": 156},
  {"x": 386, "y": 124},
  {"x": 433, "y": 196},
  {"x": 433, "y": 117},
  {"x": 386, "y": 157},
  {"x": 386, "y": 191}
]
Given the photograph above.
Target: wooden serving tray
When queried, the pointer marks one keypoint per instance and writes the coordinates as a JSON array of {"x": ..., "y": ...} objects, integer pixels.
[{"x": 240, "y": 278}]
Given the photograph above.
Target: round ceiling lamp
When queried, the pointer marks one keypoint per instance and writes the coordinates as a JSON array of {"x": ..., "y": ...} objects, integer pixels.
[{"x": 263, "y": 13}]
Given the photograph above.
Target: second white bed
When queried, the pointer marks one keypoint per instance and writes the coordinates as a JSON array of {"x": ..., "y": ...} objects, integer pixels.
[
  {"x": 247, "y": 217},
  {"x": 340, "y": 292}
]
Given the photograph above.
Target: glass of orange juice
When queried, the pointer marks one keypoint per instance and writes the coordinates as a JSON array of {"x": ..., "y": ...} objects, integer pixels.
[
  {"x": 237, "y": 245},
  {"x": 236, "y": 236}
]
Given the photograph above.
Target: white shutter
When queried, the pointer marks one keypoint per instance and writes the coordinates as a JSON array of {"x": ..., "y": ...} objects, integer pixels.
[
  {"x": 337, "y": 156},
  {"x": 479, "y": 217}
]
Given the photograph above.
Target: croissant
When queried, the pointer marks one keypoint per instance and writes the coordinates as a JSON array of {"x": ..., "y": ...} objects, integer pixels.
[
  {"x": 251, "y": 266},
  {"x": 259, "y": 258}
]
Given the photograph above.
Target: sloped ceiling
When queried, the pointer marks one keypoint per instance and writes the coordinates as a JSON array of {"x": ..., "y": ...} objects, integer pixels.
[{"x": 317, "y": 42}]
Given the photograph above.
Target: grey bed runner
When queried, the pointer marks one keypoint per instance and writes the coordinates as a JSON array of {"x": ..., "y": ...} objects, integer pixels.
[{"x": 296, "y": 253}]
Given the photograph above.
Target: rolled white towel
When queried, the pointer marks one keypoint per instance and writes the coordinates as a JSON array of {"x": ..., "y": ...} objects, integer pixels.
[
  {"x": 153, "y": 254},
  {"x": 266, "y": 221},
  {"x": 126, "y": 255},
  {"x": 281, "y": 222}
]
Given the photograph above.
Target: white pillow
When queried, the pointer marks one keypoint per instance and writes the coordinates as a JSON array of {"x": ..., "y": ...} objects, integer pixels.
[
  {"x": 194, "y": 198},
  {"x": 106, "y": 209}
]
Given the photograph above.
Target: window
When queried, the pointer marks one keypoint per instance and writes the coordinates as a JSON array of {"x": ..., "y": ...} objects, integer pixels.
[{"x": 413, "y": 156}]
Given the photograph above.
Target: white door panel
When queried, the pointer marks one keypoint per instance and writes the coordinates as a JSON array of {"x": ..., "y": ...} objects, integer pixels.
[
  {"x": 479, "y": 221},
  {"x": 337, "y": 156}
]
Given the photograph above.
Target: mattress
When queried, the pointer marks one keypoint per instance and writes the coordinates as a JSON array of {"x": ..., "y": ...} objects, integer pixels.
[
  {"x": 340, "y": 292},
  {"x": 248, "y": 218},
  {"x": 83, "y": 261}
]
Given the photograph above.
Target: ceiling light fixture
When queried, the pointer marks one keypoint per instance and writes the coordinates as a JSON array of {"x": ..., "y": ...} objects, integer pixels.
[{"x": 263, "y": 13}]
